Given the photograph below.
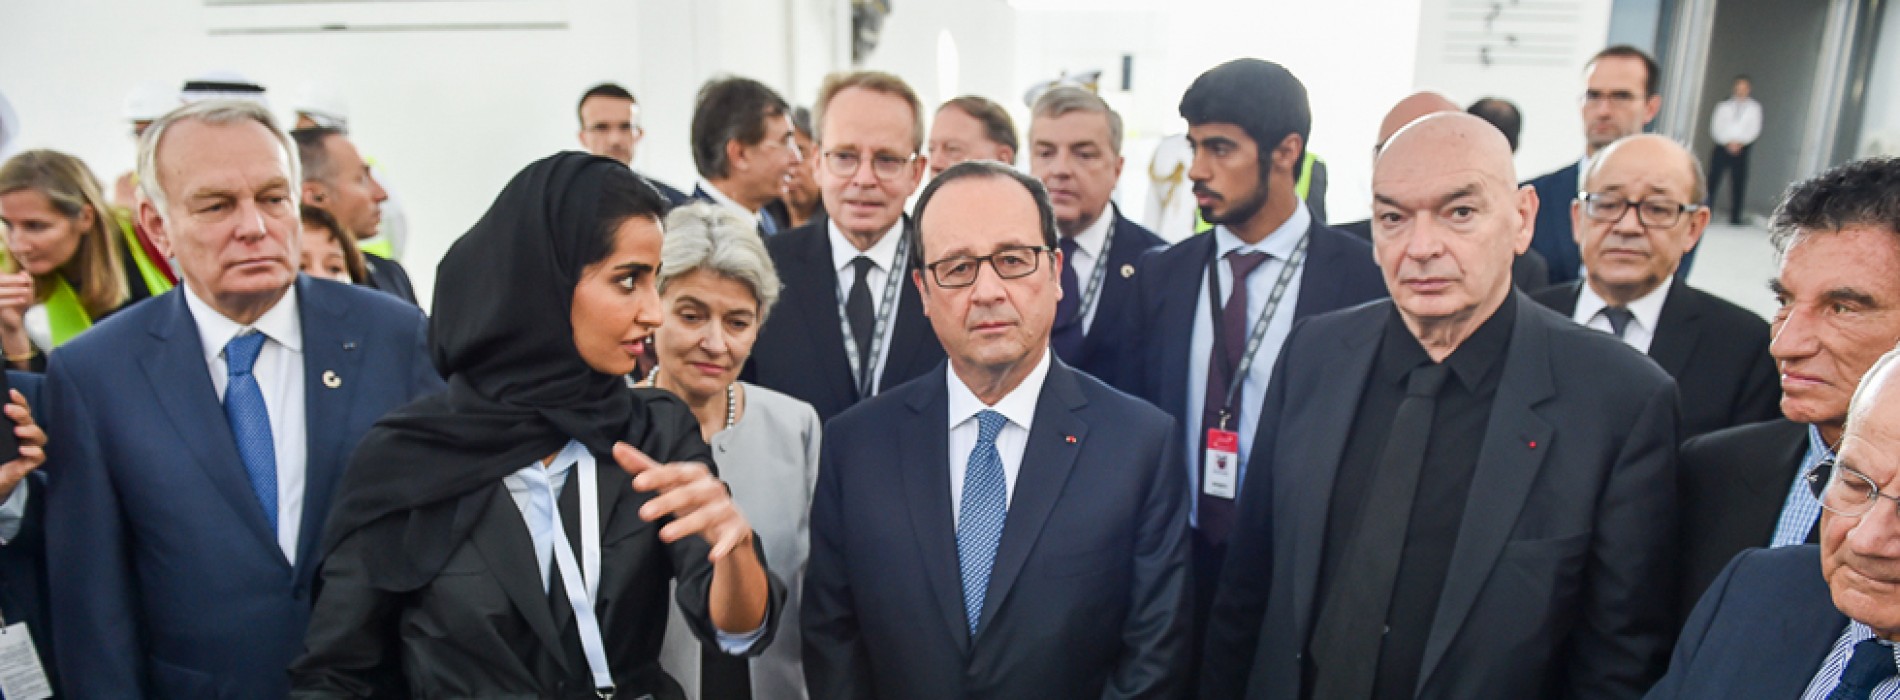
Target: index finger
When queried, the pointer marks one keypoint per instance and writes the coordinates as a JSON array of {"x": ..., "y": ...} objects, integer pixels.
[{"x": 633, "y": 461}]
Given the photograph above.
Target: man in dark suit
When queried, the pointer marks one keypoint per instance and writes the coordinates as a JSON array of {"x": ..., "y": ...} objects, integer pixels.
[
  {"x": 850, "y": 327},
  {"x": 1528, "y": 270},
  {"x": 1640, "y": 213},
  {"x": 1003, "y": 527},
  {"x": 610, "y": 127},
  {"x": 337, "y": 180},
  {"x": 1075, "y": 149},
  {"x": 202, "y": 433},
  {"x": 1839, "y": 289},
  {"x": 1770, "y": 627},
  {"x": 1620, "y": 97},
  {"x": 1247, "y": 123},
  {"x": 743, "y": 146},
  {"x": 1467, "y": 496}
]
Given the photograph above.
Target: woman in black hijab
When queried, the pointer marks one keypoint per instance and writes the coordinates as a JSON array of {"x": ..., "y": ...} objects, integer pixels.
[{"x": 445, "y": 575}]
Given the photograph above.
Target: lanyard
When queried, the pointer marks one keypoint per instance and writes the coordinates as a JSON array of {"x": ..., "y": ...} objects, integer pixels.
[
  {"x": 864, "y": 370},
  {"x": 1093, "y": 291},
  {"x": 1239, "y": 374},
  {"x": 582, "y": 587}
]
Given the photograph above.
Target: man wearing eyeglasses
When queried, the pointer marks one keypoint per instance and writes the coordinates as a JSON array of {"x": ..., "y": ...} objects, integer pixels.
[
  {"x": 1838, "y": 239},
  {"x": 1619, "y": 98},
  {"x": 1004, "y": 526},
  {"x": 851, "y": 326},
  {"x": 610, "y": 127},
  {"x": 744, "y": 147},
  {"x": 1639, "y": 212},
  {"x": 1769, "y": 626}
]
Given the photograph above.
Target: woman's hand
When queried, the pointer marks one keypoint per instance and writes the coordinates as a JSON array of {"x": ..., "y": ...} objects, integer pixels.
[
  {"x": 697, "y": 500},
  {"x": 32, "y": 446},
  {"x": 16, "y": 296}
]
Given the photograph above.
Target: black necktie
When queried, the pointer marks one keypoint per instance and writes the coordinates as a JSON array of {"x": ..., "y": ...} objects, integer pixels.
[
  {"x": 1871, "y": 663},
  {"x": 1067, "y": 338},
  {"x": 1619, "y": 319},
  {"x": 1216, "y": 514},
  {"x": 857, "y": 311},
  {"x": 1351, "y": 626}
]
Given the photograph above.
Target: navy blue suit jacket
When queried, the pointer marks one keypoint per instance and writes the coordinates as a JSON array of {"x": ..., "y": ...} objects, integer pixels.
[
  {"x": 170, "y": 582},
  {"x": 1553, "y": 238},
  {"x": 23, "y": 558},
  {"x": 800, "y": 351},
  {"x": 1089, "y": 595},
  {"x": 1339, "y": 273},
  {"x": 1115, "y": 329},
  {"x": 1761, "y": 631}
]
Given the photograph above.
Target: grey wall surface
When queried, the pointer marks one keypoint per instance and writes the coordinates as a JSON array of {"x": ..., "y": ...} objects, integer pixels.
[{"x": 1775, "y": 43}]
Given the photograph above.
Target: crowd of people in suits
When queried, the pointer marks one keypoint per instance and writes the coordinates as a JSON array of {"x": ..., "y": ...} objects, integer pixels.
[{"x": 1005, "y": 443}]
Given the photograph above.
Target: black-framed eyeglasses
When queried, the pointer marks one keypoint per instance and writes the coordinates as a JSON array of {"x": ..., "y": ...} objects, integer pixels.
[
  {"x": 1656, "y": 212},
  {"x": 886, "y": 166},
  {"x": 1009, "y": 264},
  {"x": 1844, "y": 490}
]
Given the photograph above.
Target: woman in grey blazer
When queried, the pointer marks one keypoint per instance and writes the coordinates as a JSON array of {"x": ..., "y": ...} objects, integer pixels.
[{"x": 717, "y": 286}]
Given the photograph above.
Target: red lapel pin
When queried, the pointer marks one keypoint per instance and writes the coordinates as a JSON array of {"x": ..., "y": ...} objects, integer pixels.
[{"x": 1069, "y": 438}]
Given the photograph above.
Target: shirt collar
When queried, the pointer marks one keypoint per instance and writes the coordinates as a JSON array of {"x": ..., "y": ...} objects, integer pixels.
[
  {"x": 1471, "y": 362},
  {"x": 1019, "y": 405},
  {"x": 1858, "y": 632},
  {"x": 1818, "y": 450},
  {"x": 570, "y": 455},
  {"x": 884, "y": 252},
  {"x": 215, "y": 329},
  {"x": 1090, "y": 239},
  {"x": 1279, "y": 244},
  {"x": 719, "y": 196},
  {"x": 1647, "y": 309}
]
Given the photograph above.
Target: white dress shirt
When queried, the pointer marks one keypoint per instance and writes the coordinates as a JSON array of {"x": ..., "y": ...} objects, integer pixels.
[
  {"x": 1647, "y": 311},
  {"x": 279, "y": 373},
  {"x": 720, "y": 197},
  {"x": 884, "y": 256},
  {"x": 1278, "y": 246},
  {"x": 1736, "y": 121},
  {"x": 1836, "y": 663},
  {"x": 1088, "y": 256},
  {"x": 1019, "y": 406}
]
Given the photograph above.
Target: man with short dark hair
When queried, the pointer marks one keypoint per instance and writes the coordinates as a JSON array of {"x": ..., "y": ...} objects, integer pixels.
[
  {"x": 743, "y": 146},
  {"x": 1003, "y": 526},
  {"x": 1461, "y": 493},
  {"x": 1838, "y": 239},
  {"x": 1075, "y": 149},
  {"x": 610, "y": 127},
  {"x": 1640, "y": 212},
  {"x": 337, "y": 180},
  {"x": 1620, "y": 97},
  {"x": 1214, "y": 309},
  {"x": 1502, "y": 114},
  {"x": 971, "y": 127},
  {"x": 1734, "y": 127}
]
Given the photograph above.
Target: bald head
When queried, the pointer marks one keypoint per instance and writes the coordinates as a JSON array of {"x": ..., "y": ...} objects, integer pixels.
[
  {"x": 1446, "y": 141},
  {"x": 1652, "y": 152},
  {"x": 1415, "y": 105}
]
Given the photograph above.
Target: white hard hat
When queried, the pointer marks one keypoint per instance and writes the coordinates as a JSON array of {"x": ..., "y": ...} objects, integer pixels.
[
  {"x": 224, "y": 85},
  {"x": 322, "y": 105},
  {"x": 150, "y": 100}
]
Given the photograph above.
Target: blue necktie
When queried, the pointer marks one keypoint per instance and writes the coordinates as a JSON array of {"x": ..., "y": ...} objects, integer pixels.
[
  {"x": 1871, "y": 663},
  {"x": 250, "y": 421},
  {"x": 980, "y": 520}
]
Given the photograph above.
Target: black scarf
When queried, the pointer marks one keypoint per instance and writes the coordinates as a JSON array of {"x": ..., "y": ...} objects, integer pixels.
[{"x": 518, "y": 389}]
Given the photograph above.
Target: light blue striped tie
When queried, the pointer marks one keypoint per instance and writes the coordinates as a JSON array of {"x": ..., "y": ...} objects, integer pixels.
[
  {"x": 980, "y": 519},
  {"x": 250, "y": 420}
]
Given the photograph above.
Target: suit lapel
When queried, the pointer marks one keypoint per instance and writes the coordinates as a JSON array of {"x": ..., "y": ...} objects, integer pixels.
[
  {"x": 1316, "y": 463},
  {"x": 1678, "y": 328},
  {"x": 820, "y": 310},
  {"x": 1124, "y": 250},
  {"x": 1568, "y": 304},
  {"x": 1182, "y": 282},
  {"x": 1048, "y": 458},
  {"x": 501, "y": 536},
  {"x": 1317, "y": 292},
  {"x": 182, "y": 384},
  {"x": 330, "y": 356},
  {"x": 926, "y": 451},
  {"x": 911, "y": 334},
  {"x": 1507, "y": 468}
]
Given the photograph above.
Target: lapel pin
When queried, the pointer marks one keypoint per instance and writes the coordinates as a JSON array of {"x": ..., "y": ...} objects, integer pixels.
[
  {"x": 349, "y": 345},
  {"x": 1128, "y": 271},
  {"x": 1069, "y": 439},
  {"x": 331, "y": 380},
  {"x": 1533, "y": 444}
]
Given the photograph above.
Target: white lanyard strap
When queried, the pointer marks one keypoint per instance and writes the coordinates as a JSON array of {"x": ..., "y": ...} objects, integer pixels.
[
  {"x": 1094, "y": 290},
  {"x": 581, "y": 589},
  {"x": 864, "y": 369}
]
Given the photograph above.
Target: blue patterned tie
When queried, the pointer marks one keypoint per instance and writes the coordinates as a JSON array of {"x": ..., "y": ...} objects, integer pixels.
[
  {"x": 250, "y": 421},
  {"x": 1871, "y": 663},
  {"x": 980, "y": 520}
]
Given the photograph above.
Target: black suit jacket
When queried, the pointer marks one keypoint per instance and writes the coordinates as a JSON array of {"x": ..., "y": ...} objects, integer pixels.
[
  {"x": 674, "y": 197},
  {"x": 1552, "y": 237},
  {"x": 1089, "y": 594},
  {"x": 1556, "y": 586},
  {"x": 1529, "y": 272},
  {"x": 483, "y": 627},
  {"x": 1762, "y": 632},
  {"x": 800, "y": 352},
  {"x": 1115, "y": 329},
  {"x": 389, "y": 276},
  {"x": 1339, "y": 273},
  {"x": 1716, "y": 351},
  {"x": 1734, "y": 483}
]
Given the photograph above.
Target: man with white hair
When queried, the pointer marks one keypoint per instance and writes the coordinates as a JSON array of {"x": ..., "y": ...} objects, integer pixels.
[{"x": 202, "y": 433}]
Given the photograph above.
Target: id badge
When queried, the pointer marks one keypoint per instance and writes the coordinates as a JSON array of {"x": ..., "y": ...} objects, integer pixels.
[
  {"x": 21, "y": 675},
  {"x": 1220, "y": 475}
]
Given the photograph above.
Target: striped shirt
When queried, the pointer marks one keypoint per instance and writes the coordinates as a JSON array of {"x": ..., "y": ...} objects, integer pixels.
[
  {"x": 1836, "y": 662},
  {"x": 1802, "y": 509}
]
